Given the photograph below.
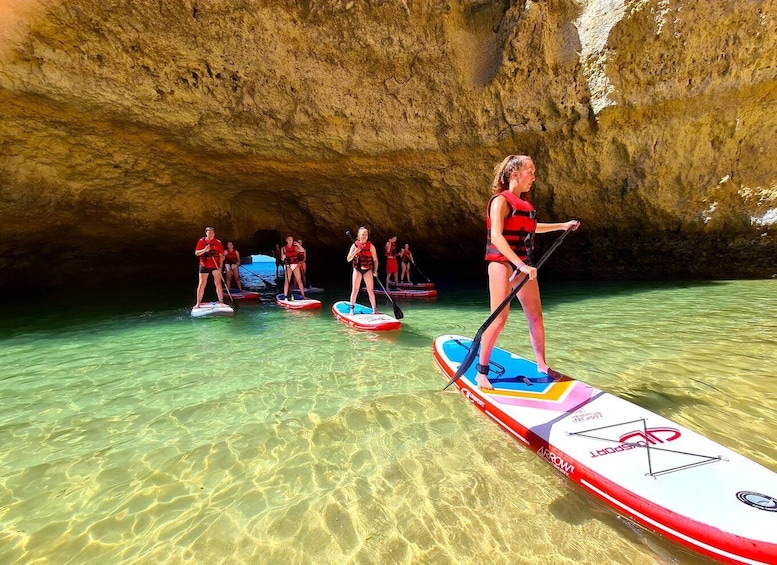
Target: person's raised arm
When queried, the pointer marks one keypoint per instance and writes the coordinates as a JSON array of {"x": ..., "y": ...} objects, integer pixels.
[
  {"x": 545, "y": 227},
  {"x": 352, "y": 252}
]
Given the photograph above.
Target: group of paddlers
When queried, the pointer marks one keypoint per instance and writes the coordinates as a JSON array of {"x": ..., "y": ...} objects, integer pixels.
[{"x": 510, "y": 226}]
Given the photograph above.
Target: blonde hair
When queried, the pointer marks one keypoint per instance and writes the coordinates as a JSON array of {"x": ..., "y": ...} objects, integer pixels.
[{"x": 504, "y": 169}]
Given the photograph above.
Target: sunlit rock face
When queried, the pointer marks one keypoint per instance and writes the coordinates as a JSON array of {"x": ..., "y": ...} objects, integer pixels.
[{"x": 126, "y": 127}]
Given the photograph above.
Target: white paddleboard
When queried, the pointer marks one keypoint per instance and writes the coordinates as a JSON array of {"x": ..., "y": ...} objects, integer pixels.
[
  {"x": 212, "y": 309},
  {"x": 659, "y": 474}
]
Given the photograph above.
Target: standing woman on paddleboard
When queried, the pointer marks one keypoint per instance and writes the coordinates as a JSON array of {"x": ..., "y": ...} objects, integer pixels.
[
  {"x": 292, "y": 255},
  {"x": 364, "y": 259},
  {"x": 406, "y": 257},
  {"x": 211, "y": 253},
  {"x": 391, "y": 260},
  {"x": 511, "y": 225},
  {"x": 232, "y": 266}
]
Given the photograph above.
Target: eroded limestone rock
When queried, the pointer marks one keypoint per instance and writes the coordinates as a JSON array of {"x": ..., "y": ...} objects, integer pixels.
[{"x": 126, "y": 127}]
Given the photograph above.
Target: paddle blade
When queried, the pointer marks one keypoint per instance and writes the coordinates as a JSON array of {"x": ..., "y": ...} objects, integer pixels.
[
  {"x": 466, "y": 363},
  {"x": 398, "y": 313}
]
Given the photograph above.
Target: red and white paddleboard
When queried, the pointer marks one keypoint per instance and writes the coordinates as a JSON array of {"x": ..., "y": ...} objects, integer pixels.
[
  {"x": 363, "y": 318},
  {"x": 243, "y": 294},
  {"x": 655, "y": 472},
  {"x": 411, "y": 286},
  {"x": 298, "y": 303},
  {"x": 407, "y": 293}
]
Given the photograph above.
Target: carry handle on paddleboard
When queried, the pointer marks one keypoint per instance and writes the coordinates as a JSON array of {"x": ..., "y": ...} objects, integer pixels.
[
  {"x": 398, "y": 314},
  {"x": 475, "y": 347}
]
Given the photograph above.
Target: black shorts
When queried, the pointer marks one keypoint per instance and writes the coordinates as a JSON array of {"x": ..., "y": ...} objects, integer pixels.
[{"x": 207, "y": 270}]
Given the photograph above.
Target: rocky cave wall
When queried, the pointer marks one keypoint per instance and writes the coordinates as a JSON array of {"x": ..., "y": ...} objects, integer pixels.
[{"x": 126, "y": 127}]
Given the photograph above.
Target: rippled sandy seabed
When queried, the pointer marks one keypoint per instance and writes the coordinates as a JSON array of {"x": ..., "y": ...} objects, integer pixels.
[{"x": 146, "y": 436}]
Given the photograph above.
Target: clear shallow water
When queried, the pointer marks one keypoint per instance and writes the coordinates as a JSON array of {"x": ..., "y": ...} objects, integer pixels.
[{"x": 137, "y": 434}]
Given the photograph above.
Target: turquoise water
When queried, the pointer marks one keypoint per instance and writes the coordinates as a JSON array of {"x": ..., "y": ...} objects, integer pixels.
[{"x": 137, "y": 434}]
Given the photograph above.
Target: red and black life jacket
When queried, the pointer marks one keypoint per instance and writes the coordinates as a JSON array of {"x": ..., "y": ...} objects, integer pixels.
[
  {"x": 230, "y": 257},
  {"x": 292, "y": 255},
  {"x": 520, "y": 222},
  {"x": 363, "y": 261},
  {"x": 209, "y": 260}
]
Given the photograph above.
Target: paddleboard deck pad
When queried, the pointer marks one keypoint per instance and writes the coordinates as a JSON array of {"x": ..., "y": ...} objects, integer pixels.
[
  {"x": 655, "y": 472},
  {"x": 298, "y": 303},
  {"x": 363, "y": 318},
  {"x": 211, "y": 309}
]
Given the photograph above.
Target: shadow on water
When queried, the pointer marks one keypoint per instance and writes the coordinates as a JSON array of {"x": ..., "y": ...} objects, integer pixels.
[{"x": 659, "y": 402}]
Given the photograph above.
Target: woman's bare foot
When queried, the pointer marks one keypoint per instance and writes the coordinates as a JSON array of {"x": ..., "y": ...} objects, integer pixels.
[
  {"x": 552, "y": 375},
  {"x": 483, "y": 382}
]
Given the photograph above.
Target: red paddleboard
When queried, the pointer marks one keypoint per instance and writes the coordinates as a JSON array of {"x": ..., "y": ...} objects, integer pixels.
[
  {"x": 407, "y": 293},
  {"x": 243, "y": 294},
  {"x": 411, "y": 286},
  {"x": 298, "y": 303}
]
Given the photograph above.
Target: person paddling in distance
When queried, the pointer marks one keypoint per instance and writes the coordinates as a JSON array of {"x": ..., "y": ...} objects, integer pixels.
[
  {"x": 406, "y": 257},
  {"x": 291, "y": 254},
  {"x": 211, "y": 254},
  {"x": 390, "y": 250},
  {"x": 232, "y": 266},
  {"x": 364, "y": 259},
  {"x": 510, "y": 218}
]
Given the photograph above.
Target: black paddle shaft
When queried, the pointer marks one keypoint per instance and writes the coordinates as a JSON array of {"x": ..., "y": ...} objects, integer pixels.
[
  {"x": 420, "y": 271},
  {"x": 398, "y": 314},
  {"x": 475, "y": 347}
]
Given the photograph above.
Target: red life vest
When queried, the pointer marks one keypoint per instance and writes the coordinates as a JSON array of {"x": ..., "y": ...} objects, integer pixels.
[
  {"x": 363, "y": 261},
  {"x": 292, "y": 255},
  {"x": 230, "y": 257},
  {"x": 405, "y": 255},
  {"x": 519, "y": 223},
  {"x": 209, "y": 260},
  {"x": 392, "y": 250}
]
